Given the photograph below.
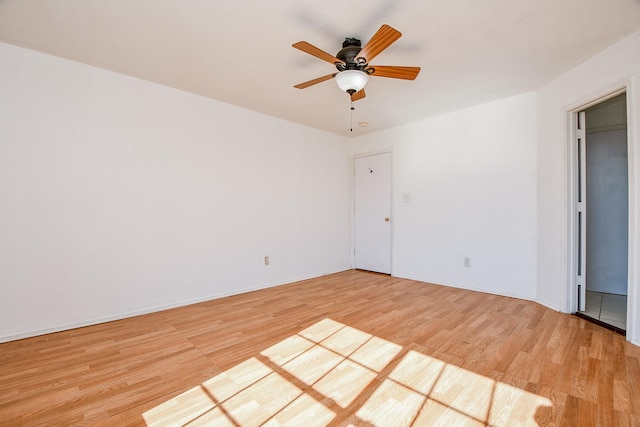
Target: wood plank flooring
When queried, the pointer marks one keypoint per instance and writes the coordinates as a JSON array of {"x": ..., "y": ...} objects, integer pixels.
[{"x": 352, "y": 348}]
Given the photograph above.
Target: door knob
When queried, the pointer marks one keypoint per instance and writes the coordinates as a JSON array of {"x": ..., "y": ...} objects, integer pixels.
[{"x": 386, "y": 219}]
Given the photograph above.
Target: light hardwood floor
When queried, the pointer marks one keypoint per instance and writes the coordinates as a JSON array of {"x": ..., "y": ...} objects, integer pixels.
[{"x": 353, "y": 348}]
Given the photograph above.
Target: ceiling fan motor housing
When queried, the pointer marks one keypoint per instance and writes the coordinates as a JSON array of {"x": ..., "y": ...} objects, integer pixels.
[{"x": 350, "y": 48}]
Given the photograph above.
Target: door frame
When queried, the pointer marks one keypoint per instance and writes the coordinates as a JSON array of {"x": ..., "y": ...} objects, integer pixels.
[
  {"x": 633, "y": 153},
  {"x": 391, "y": 207}
]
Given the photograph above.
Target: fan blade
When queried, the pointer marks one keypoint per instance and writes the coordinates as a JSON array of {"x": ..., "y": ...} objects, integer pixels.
[
  {"x": 315, "y": 81},
  {"x": 381, "y": 40},
  {"x": 394, "y": 72},
  {"x": 318, "y": 53},
  {"x": 358, "y": 95}
]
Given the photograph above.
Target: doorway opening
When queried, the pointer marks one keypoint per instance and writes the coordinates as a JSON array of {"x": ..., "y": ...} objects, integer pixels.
[{"x": 602, "y": 212}]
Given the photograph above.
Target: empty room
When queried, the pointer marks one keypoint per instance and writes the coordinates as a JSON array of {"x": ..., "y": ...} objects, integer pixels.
[{"x": 338, "y": 213}]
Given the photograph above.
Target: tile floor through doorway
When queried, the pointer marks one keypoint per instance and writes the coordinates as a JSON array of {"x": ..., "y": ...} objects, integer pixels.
[{"x": 608, "y": 308}]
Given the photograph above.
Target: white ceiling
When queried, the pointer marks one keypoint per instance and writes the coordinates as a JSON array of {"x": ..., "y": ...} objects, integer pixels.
[{"x": 239, "y": 51}]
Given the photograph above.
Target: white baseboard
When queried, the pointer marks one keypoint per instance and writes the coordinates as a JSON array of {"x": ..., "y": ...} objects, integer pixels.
[
  {"x": 466, "y": 288},
  {"x": 154, "y": 309},
  {"x": 549, "y": 305}
]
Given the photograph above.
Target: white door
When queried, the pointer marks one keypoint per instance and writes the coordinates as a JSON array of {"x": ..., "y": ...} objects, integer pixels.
[{"x": 373, "y": 213}]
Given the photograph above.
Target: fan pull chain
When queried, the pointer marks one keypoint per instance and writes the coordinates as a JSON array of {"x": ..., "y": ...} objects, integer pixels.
[{"x": 352, "y": 108}]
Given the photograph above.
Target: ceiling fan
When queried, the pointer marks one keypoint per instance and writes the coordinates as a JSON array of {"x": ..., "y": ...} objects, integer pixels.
[{"x": 353, "y": 65}]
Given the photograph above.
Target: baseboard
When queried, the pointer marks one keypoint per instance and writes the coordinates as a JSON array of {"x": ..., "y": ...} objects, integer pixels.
[
  {"x": 155, "y": 309},
  {"x": 466, "y": 288},
  {"x": 474, "y": 289},
  {"x": 548, "y": 305}
]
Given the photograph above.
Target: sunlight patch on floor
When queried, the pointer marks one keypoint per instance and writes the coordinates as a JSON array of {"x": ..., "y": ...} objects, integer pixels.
[
  {"x": 427, "y": 391},
  {"x": 307, "y": 378}
]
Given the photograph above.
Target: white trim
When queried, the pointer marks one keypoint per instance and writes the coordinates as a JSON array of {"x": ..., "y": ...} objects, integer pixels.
[
  {"x": 633, "y": 152},
  {"x": 547, "y": 304},
  {"x": 484, "y": 291},
  {"x": 155, "y": 309},
  {"x": 569, "y": 305}
]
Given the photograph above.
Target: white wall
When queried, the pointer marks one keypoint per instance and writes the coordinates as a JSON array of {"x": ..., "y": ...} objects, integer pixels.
[
  {"x": 616, "y": 67},
  {"x": 472, "y": 179},
  {"x": 119, "y": 196}
]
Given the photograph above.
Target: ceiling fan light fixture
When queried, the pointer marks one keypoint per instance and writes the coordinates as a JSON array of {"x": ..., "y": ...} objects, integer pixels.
[{"x": 351, "y": 81}]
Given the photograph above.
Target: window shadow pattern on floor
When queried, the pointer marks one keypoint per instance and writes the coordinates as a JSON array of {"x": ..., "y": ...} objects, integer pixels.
[{"x": 330, "y": 369}]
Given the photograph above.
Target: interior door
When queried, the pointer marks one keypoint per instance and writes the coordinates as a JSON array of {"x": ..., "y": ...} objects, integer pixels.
[{"x": 372, "y": 216}]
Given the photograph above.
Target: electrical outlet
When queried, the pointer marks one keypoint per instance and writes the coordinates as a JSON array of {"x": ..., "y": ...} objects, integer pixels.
[
  {"x": 467, "y": 262},
  {"x": 266, "y": 260}
]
